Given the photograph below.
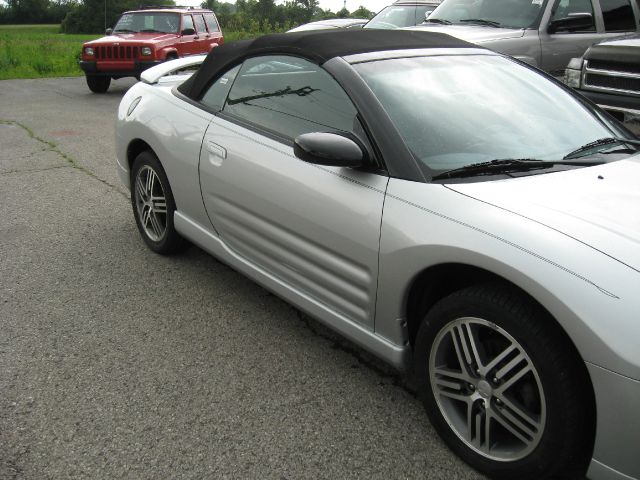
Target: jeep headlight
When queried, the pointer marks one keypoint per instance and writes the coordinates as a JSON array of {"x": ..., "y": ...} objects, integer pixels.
[
  {"x": 145, "y": 50},
  {"x": 88, "y": 51},
  {"x": 573, "y": 73}
]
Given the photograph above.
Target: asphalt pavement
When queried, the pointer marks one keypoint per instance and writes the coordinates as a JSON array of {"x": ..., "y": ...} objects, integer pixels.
[{"x": 119, "y": 363}]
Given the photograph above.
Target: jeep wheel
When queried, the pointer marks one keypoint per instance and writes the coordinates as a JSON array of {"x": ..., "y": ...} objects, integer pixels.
[{"x": 98, "y": 84}]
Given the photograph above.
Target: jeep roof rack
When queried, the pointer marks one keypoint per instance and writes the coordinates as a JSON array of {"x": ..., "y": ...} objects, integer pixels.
[{"x": 161, "y": 7}]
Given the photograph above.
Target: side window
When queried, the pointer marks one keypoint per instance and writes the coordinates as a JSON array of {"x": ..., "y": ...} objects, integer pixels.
[
  {"x": 187, "y": 22},
  {"x": 200, "y": 28},
  {"x": 290, "y": 96},
  {"x": 212, "y": 23},
  {"x": 618, "y": 15},
  {"x": 573, "y": 8},
  {"x": 216, "y": 94}
]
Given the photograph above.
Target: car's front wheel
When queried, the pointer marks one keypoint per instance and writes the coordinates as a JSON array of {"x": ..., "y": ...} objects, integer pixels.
[
  {"x": 98, "y": 83},
  {"x": 502, "y": 385},
  {"x": 153, "y": 205}
]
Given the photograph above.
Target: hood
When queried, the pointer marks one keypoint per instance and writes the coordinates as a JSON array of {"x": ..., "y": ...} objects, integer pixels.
[
  {"x": 621, "y": 49},
  {"x": 473, "y": 33},
  {"x": 133, "y": 39},
  {"x": 598, "y": 206}
]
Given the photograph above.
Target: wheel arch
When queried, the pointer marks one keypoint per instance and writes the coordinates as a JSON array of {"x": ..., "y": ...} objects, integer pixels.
[{"x": 436, "y": 282}]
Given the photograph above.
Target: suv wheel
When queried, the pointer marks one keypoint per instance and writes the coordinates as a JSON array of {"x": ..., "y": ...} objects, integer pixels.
[
  {"x": 98, "y": 83},
  {"x": 502, "y": 385}
]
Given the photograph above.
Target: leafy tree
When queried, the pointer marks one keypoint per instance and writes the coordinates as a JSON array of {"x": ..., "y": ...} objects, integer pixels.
[{"x": 362, "y": 12}]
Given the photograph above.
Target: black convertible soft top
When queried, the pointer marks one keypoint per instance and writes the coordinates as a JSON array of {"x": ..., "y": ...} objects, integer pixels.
[{"x": 316, "y": 46}]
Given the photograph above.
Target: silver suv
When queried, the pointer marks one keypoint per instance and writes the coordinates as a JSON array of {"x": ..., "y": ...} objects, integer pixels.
[
  {"x": 403, "y": 13},
  {"x": 543, "y": 33}
]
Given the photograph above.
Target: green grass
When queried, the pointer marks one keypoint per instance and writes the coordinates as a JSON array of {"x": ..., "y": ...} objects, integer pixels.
[{"x": 36, "y": 51}]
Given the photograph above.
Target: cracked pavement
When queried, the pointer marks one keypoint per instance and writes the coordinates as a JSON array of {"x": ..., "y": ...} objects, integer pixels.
[{"x": 119, "y": 363}]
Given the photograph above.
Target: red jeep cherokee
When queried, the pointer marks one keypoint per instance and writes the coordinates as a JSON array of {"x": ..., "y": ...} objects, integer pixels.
[{"x": 144, "y": 38}]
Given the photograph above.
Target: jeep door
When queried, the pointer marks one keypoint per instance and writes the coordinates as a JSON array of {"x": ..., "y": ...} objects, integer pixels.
[
  {"x": 202, "y": 33},
  {"x": 188, "y": 44},
  {"x": 314, "y": 228}
]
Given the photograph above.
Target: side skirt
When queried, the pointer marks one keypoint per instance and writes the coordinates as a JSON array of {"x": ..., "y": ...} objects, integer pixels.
[{"x": 399, "y": 356}]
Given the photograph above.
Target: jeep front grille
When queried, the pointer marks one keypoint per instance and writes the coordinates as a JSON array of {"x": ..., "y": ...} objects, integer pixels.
[
  {"x": 611, "y": 77},
  {"x": 117, "y": 53}
]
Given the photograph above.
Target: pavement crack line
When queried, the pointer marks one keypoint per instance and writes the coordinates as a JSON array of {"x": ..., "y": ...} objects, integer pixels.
[{"x": 53, "y": 147}]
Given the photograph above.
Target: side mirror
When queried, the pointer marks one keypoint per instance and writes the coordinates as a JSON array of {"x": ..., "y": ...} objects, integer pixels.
[
  {"x": 329, "y": 149},
  {"x": 574, "y": 22},
  {"x": 108, "y": 31},
  {"x": 188, "y": 31}
]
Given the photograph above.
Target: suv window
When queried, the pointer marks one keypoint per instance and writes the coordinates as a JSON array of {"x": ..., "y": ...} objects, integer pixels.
[
  {"x": 151, "y": 22},
  {"x": 618, "y": 15},
  {"x": 569, "y": 8},
  {"x": 216, "y": 94},
  {"x": 211, "y": 22},
  {"x": 200, "y": 28},
  {"x": 187, "y": 22},
  {"x": 290, "y": 96},
  {"x": 503, "y": 13}
]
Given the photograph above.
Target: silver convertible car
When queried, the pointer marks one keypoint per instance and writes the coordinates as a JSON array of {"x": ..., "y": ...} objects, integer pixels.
[{"x": 450, "y": 209}]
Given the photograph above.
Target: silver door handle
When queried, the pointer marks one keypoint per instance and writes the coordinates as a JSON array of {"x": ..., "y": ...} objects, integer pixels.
[{"x": 216, "y": 149}]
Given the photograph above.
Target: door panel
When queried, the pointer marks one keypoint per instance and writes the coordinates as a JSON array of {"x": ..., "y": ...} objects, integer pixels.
[{"x": 315, "y": 228}]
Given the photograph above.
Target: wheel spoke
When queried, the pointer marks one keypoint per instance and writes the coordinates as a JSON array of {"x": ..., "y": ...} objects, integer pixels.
[
  {"x": 505, "y": 353},
  {"x": 455, "y": 396},
  {"x": 517, "y": 428},
  {"x": 517, "y": 376},
  {"x": 458, "y": 344},
  {"x": 473, "y": 347},
  {"x": 140, "y": 188},
  {"x": 508, "y": 405},
  {"x": 444, "y": 372},
  {"x": 146, "y": 215},
  {"x": 155, "y": 224},
  {"x": 151, "y": 177},
  {"x": 510, "y": 366},
  {"x": 159, "y": 204}
]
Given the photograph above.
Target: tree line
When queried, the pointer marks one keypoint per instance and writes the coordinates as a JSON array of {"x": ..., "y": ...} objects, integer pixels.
[{"x": 248, "y": 16}]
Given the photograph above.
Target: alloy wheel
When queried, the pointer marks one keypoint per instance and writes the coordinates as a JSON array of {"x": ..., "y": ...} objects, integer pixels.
[
  {"x": 151, "y": 203},
  {"x": 487, "y": 389}
]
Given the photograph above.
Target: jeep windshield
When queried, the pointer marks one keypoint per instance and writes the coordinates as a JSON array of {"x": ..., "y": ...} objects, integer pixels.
[
  {"x": 494, "y": 13},
  {"x": 148, "y": 22},
  {"x": 458, "y": 111},
  {"x": 398, "y": 16}
]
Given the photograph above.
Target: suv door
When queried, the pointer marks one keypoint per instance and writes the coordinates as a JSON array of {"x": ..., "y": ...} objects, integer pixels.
[
  {"x": 314, "y": 228},
  {"x": 561, "y": 46},
  {"x": 188, "y": 43},
  {"x": 202, "y": 33}
]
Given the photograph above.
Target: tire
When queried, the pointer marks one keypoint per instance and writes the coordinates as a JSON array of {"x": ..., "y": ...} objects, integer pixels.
[
  {"x": 98, "y": 83},
  {"x": 153, "y": 205},
  {"x": 536, "y": 397}
]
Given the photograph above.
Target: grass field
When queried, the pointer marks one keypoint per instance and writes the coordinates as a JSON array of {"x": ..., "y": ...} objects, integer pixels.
[{"x": 37, "y": 51}]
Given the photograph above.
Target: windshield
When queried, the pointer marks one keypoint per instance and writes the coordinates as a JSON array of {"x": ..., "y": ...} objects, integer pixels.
[
  {"x": 152, "y": 22},
  {"x": 458, "y": 110},
  {"x": 505, "y": 13},
  {"x": 398, "y": 16}
]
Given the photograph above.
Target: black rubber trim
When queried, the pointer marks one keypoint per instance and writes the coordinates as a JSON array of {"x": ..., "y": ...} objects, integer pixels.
[{"x": 396, "y": 157}]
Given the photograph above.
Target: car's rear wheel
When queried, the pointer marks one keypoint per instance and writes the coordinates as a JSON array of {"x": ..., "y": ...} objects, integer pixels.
[
  {"x": 503, "y": 386},
  {"x": 98, "y": 83},
  {"x": 153, "y": 205}
]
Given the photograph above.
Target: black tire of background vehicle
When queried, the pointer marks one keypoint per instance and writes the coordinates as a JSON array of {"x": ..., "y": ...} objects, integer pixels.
[
  {"x": 98, "y": 83},
  {"x": 171, "y": 56},
  {"x": 565, "y": 448},
  {"x": 171, "y": 242}
]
